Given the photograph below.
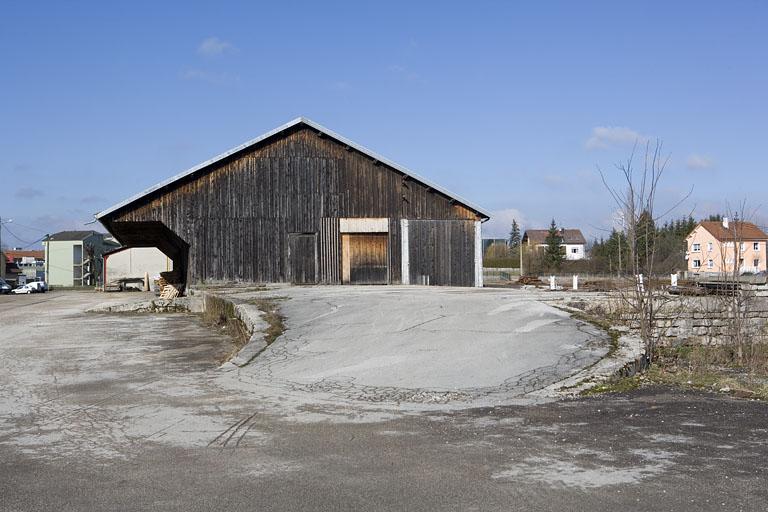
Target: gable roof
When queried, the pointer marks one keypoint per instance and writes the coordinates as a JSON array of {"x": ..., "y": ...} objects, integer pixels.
[
  {"x": 539, "y": 236},
  {"x": 71, "y": 235},
  {"x": 298, "y": 121},
  {"x": 736, "y": 229},
  {"x": 13, "y": 254}
]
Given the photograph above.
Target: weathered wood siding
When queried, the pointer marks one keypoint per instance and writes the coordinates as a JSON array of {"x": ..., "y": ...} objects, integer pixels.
[
  {"x": 302, "y": 258},
  {"x": 330, "y": 251},
  {"x": 441, "y": 252},
  {"x": 236, "y": 216}
]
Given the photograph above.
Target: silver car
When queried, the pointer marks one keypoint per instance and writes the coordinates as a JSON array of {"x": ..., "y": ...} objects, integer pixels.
[{"x": 24, "y": 289}]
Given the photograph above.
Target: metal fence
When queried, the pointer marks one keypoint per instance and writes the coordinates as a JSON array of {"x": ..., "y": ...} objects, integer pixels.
[{"x": 492, "y": 275}]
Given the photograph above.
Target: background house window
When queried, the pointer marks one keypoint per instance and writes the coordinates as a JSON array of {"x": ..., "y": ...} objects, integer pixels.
[
  {"x": 709, "y": 246},
  {"x": 755, "y": 263},
  {"x": 77, "y": 265},
  {"x": 696, "y": 263},
  {"x": 710, "y": 264},
  {"x": 741, "y": 246},
  {"x": 575, "y": 250},
  {"x": 696, "y": 247},
  {"x": 756, "y": 246}
]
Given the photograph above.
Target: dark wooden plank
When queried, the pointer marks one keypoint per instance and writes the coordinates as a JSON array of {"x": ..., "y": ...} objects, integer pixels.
[{"x": 302, "y": 258}]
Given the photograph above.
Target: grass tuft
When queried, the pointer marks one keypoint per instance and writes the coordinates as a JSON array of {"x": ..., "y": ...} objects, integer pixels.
[{"x": 273, "y": 317}]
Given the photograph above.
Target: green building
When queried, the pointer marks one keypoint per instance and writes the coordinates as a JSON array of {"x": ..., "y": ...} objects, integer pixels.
[{"x": 74, "y": 258}]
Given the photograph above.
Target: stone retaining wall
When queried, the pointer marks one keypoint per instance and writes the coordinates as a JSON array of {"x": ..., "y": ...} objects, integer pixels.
[{"x": 704, "y": 320}]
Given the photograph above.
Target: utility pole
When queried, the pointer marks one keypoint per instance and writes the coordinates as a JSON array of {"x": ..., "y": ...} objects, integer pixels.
[
  {"x": 47, "y": 253},
  {"x": 2, "y": 274}
]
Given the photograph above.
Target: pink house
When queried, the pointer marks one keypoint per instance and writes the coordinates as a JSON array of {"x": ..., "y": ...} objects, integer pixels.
[{"x": 721, "y": 247}]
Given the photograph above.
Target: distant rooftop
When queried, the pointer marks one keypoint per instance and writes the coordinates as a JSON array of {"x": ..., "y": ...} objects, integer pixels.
[
  {"x": 736, "y": 229},
  {"x": 11, "y": 255},
  {"x": 539, "y": 236},
  {"x": 63, "y": 236}
]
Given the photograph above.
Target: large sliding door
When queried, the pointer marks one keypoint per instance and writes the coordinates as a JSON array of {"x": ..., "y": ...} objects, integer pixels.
[{"x": 364, "y": 258}]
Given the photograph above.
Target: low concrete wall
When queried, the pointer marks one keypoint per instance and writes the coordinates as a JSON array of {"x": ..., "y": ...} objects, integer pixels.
[
  {"x": 248, "y": 314},
  {"x": 206, "y": 303}
]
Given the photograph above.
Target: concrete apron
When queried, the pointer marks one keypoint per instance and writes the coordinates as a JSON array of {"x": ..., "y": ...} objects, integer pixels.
[{"x": 414, "y": 348}]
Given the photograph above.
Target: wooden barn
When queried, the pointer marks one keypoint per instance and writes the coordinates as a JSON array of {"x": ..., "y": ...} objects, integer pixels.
[{"x": 302, "y": 204}]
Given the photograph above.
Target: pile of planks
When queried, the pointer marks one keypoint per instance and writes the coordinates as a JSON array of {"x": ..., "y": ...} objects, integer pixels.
[
  {"x": 529, "y": 280},
  {"x": 170, "y": 285}
]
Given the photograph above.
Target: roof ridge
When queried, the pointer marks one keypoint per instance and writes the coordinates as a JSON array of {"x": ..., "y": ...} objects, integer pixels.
[{"x": 280, "y": 129}]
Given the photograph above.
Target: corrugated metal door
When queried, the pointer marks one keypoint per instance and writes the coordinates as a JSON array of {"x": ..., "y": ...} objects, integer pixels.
[
  {"x": 364, "y": 258},
  {"x": 302, "y": 258}
]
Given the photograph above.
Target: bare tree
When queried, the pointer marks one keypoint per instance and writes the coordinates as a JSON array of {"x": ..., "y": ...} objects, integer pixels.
[
  {"x": 735, "y": 298},
  {"x": 636, "y": 199}
]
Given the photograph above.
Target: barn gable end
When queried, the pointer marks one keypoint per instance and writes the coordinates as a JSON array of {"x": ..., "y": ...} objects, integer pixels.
[{"x": 270, "y": 211}]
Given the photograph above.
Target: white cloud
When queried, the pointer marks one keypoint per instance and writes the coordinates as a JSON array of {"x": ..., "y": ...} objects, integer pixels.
[
  {"x": 501, "y": 222},
  {"x": 699, "y": 162},
  {"x": 609, "y": 136},
  {"x": 212, "y": 46}
]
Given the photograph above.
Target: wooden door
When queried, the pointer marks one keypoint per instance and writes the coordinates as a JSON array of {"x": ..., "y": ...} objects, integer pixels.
[
  {"x": 302, "y": 258},
  {"x": 364, "y": 258}
]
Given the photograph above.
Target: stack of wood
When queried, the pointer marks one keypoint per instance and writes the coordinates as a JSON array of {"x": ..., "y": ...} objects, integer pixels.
[
  {"x": 170, "y": 285},
  {"x": 529, "y": 280}
]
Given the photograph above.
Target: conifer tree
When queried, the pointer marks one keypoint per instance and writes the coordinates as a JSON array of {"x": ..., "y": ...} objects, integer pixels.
[
  {"x": 553, "y": 252},
  {"x": 514, "y": 235}
]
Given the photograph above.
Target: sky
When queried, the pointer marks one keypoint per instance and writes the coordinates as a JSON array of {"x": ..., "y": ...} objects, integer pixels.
[{"x": 511, "y": 105}]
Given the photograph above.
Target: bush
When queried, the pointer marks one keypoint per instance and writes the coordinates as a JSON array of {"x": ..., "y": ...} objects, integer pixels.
[{"x": 501, "y": 263}]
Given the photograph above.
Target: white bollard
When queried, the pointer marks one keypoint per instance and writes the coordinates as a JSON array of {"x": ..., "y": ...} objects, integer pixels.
[
  {"x": 575, "y": 282},
  {"x": 673, "y": 279},
  {"x": 552, "y": 285}
]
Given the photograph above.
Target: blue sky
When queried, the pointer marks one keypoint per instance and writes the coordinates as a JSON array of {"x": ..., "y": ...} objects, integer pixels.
[{"x": 512, "y": 105}]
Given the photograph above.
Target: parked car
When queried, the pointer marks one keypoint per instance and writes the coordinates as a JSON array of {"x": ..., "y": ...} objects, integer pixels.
[
  {"x": 25, "y": 289},
  {"x": 38, "y": 286},
  {"x": 4, "y": 287}
]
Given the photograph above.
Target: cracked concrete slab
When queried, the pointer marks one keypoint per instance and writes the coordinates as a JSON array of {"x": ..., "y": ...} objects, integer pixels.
[{"x": 420, "y": 345}]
